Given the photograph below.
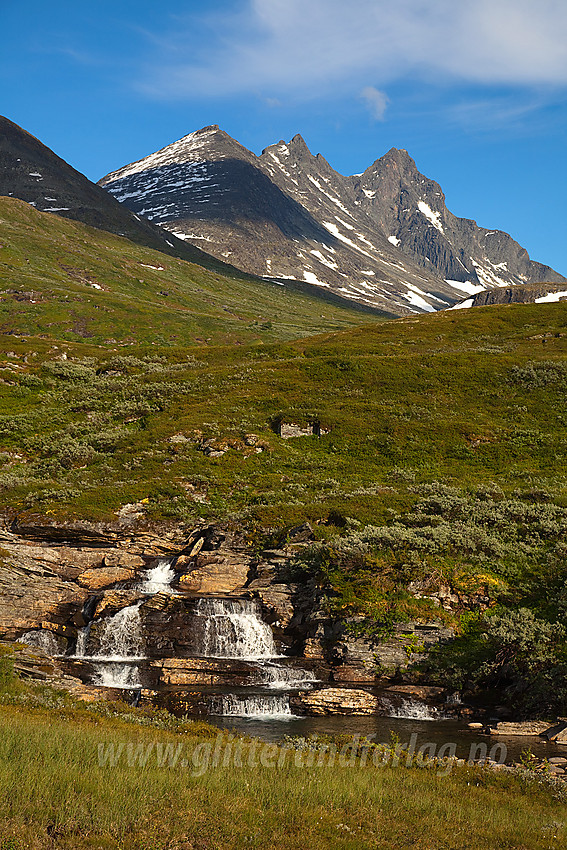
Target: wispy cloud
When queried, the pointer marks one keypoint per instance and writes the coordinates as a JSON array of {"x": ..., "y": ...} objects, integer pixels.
[
  {"x": 375, "y": 100},
  {"x": 309, "y": 48}
]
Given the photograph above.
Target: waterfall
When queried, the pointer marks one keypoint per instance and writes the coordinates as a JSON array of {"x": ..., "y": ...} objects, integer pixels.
[
  {"x": 410, "y": 709},
  {"x": 121, "y": 636},
  {"x": 232, "y": 628},
  {"x": 121, "y": 645},
  {"x": 82, "y": 640},
  {"x": 278, "y": 677},
  {"x": 43, "y": 639},
  {"x": 256, "y": 707},
  {"x": 159, "y": 578},
  {"x": 115, "y": 674}
]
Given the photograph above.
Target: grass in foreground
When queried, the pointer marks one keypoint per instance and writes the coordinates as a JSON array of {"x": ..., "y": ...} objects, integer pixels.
[{"x": 54, "y": 793}]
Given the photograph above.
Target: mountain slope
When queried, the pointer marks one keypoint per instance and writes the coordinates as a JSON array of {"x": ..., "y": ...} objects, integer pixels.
[
  {"x": 210, "y": 190},
  {"x": 33, "y": 173},
  {"x": 411, "y": 210},
  {"x": 383, "y": 238},
  {"x": 63, "y": 280}
]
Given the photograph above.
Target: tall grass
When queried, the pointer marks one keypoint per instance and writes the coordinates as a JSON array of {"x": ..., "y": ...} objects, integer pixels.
[{"x": 54, "y": 793}]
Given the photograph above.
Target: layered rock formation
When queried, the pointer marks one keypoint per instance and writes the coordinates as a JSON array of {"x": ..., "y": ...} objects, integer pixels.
[{"x": 63, "y": 584}]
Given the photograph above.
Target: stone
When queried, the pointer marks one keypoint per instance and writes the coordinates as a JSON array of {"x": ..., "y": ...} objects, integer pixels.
[
  {"x": 429, "y": 693},
  {"x": 104, "y": 577},
  {"x": 225, "y": 576},
  {"x": 559, "y": 760},
  {"x": 125, "y": 560},
  {"x": 113, "y": 600},
  {"x": 277, "y": 598},
  {"x": 300, "y": 533},
  {"x": 204, "y": 671},
  {"x": 346, "y": 701},
  {"x": 364, "y": 674},
  {"x": 475, "y": 725},
  {"x": 33, "y": 595},
  {"x": 526, "y": 727}
]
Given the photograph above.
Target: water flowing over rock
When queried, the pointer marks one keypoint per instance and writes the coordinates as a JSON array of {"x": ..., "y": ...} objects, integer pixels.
[
  {"x": 258, "y": 707},
  {"x": 43, "y": 639},
  {"x": 410, "y": 709},
  {"x": 158, "y": 579},
  {"x": 121, "y": 635},
  {"x": 232, "y": 628}
]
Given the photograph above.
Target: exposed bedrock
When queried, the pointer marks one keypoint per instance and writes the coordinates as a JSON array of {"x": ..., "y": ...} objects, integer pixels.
[{"x": 61, "y": 585}]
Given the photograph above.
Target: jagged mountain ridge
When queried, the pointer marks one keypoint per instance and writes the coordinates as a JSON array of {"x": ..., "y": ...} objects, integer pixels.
[
  {"x": 383, "y": 238},
  {"x": 32, "y": 172}
]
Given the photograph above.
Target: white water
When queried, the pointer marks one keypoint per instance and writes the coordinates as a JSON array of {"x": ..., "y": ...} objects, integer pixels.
[
  {"x": 43, "y": 639},
  {"x": 117, "y": 674},
  {"x": 121, "y": 645},
  {"x": 232, "y": 628},
  {"x": 277, "y": 677},
  {"x": 121, "y": 634},
  {"x": 258, "y": 707},
  {"x": 159, "y": 578},
  {"x": 410, "y": 709}
]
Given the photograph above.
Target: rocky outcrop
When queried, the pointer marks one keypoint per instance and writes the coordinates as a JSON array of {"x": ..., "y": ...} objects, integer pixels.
[
  {"x": 517, "y": 294},
  {"x": 33, "y": 664},
  {"x": 98, "y": 579},
  {"x": 57, "y": 580},
  {"x": 337, "y": 701}
]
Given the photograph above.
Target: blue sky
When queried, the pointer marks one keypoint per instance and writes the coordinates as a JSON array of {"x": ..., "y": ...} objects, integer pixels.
[{"x": 475, "y": 90}]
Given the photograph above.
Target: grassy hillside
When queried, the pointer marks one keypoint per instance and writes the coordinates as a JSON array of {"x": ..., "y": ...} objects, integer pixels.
[
  {"x": 464, "y": 397},
  {"x": 62, "y": 280},
  {"x": 441, "y": 462}
]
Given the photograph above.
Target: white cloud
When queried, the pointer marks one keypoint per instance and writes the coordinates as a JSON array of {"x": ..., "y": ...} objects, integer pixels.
[
  {"x": 312, "y": 47},
  {"x": 376, "y": 101}
]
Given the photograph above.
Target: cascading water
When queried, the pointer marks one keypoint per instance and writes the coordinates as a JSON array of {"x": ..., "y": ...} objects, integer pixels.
[
  {"x": 410, "y": 709},
  {"x": 43, "y": 640},
  {"x": 232, "y": 628},
  {"x": 159, "y": 578},
  {"x": 278, "y": 677},
  {"x": 121, "y": 635},
  {"x": 120, "y": 647},
  {"x": 258, "y": 707}
]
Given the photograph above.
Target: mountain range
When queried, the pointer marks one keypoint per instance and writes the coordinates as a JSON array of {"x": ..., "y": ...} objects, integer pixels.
[
  {"x": 383, "y": 238},
  {"x": 381, "y": 241}
]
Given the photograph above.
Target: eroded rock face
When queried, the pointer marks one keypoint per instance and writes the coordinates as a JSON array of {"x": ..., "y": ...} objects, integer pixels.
[
  {"x": 34, "y": 596},
  {"x": 216, "y": 574},
  {"x": 204, "y": 671},
  {"x": 103, "y": 577}
]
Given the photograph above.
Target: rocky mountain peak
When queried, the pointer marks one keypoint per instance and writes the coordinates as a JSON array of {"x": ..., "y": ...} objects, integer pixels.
[{"x": 384, "y": 239}]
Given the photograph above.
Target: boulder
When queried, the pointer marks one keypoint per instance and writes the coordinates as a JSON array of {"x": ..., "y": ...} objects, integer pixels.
[
  {"x": 344, "y": 701},
  {"x": 222, "y": 574},
  {"x": 113, "y": 600},
  {"x": 526, "y": 727},
  {"x": 104, "y": 577}
]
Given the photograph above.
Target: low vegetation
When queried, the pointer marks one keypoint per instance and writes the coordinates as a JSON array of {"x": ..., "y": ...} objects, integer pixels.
[
  {"x": 130, "y": 378},
  {"x": 108, "y": 776}
]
